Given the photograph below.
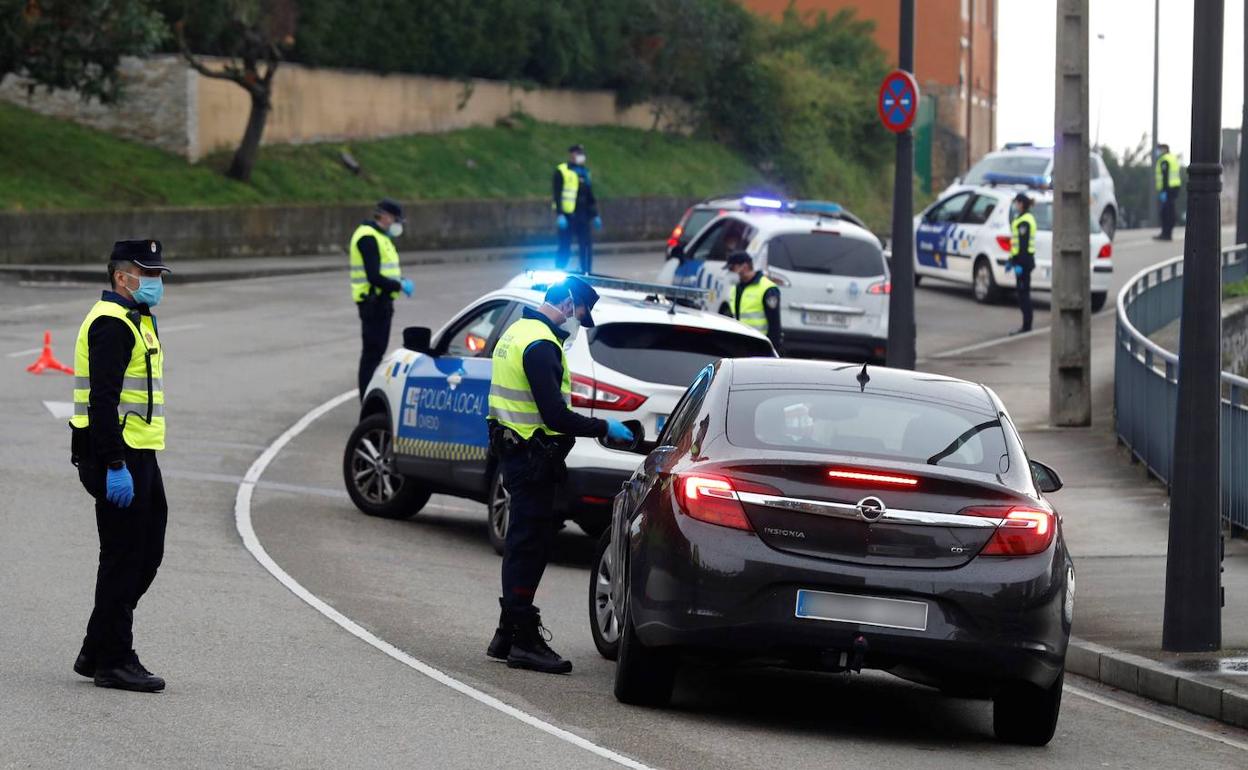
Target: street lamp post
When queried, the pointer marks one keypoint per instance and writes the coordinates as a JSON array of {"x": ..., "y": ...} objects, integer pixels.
[
  {"x": 901, "y": 328},
  {"x": 1193, "y": 613}
]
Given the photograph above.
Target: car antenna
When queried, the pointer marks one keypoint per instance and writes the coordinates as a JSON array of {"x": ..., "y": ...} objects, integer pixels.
[{"x": 863, "y": 378}]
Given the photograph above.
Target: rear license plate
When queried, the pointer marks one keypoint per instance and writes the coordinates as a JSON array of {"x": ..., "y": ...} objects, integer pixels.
[
  {"x": 816, "y": 318},
  {"x": 863, "y": 610}
]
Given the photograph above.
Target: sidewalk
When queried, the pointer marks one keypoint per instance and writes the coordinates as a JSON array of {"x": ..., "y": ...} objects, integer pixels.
[
  {"x": 201, "y": 270},
  {"x": 1115, "y": 520}
]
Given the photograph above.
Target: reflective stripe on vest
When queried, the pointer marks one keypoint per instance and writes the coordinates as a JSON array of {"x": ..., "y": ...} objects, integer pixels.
[
  {"x": 571, "y": 184},
  {"x": 750, "y": 310},
  {"x": 134, "y": 406},
  {"x": 1174, "y": 180},
  {"x": 511, "y": 399},
  {"x": 1031, "y": 238},
  {"x": 389, "y": 267}
]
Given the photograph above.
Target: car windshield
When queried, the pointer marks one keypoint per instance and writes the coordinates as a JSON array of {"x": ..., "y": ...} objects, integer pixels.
[
  {"x": 670, "y": 355},
  {"x": 854, "y": 423},
  {"x": 1012, "y": 165},
  {"x": 825, "y": 253}
]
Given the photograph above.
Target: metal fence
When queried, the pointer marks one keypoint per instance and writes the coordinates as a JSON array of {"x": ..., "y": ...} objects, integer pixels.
[{"x": 1146, "y": 381}]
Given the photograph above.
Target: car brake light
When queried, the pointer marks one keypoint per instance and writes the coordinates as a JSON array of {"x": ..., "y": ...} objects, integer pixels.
[
  {"x": 1022, "y": 532},
  {"x": 1106, "y": 251},
  {"x": 883, "y": 287},
  {"x": 588, "y": 393},
  {"x": 475, "y": 343},
  {"x": 873, "y": 478},
  {"x": 1004, "y": 242},
  {"x": 711, "y": 499},
  {"x": 674, "y": 238}
]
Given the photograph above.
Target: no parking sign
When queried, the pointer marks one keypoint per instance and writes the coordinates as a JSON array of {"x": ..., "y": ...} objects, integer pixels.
[{"x": 898, "y": 102}]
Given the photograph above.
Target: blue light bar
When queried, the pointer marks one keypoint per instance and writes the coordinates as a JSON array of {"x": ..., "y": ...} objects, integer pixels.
[
  {"x": 750, "y": 201},
  {"x": 1026, "y": 180},
  {"x": 816, "y": 207}
]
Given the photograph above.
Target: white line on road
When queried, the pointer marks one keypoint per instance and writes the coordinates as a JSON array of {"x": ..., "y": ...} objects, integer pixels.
[
  {"x": 27, "y": 352},
  {"x": 242, "y": 521},
  {"x": 1101, "y": 699},
  {"x": 992, "y": 343}
]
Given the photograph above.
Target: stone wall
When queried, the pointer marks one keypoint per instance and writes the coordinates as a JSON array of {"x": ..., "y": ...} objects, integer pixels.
[
  {"x": 189, "y": 233},
  {"x": 170, "y": 106}
]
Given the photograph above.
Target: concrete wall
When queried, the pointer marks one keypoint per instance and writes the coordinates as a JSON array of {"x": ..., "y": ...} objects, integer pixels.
[
  {"x": 170, "y": 106},
  {"x": 61, "y": 237},
  {"x": 1235, "y": 336}
]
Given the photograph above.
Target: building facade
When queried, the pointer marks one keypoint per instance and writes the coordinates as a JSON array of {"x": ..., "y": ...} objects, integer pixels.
[{"x": 955, "y": 61}]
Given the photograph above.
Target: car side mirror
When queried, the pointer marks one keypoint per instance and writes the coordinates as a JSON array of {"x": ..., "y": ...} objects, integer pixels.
[
  {"x": 417, "y": 339},
  {"x": 1046, "y": 478},
  {"x": 638, "y": 445}
]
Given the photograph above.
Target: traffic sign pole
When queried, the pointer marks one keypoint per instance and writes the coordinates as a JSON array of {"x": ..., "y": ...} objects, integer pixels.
[{"x": 898, "y": 104}]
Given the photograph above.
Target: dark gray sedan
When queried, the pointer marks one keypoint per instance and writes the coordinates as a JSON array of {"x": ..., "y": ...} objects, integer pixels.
[{"x": 835, "y": 517}]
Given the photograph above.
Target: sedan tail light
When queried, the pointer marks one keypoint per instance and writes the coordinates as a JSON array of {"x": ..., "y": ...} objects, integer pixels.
[
  {"x": 589, "y": 393},
  {"x": 883, "y": 287},
  {"x": 1023, "y": 531},
  {"x": 711, "y": 499},
  {"x": 1004, "y": 242},
  {"x": 1106, "y": 251}
]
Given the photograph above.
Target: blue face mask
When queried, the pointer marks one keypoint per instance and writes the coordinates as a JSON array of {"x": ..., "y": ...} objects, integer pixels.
[{"x": 149, "y": 292}]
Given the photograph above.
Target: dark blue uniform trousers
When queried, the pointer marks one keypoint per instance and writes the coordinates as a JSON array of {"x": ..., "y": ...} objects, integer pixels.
[{"x": 530, "y": 530}]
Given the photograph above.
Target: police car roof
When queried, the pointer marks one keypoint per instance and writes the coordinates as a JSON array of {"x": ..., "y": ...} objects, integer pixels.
[{"x": 775, "y": 223}]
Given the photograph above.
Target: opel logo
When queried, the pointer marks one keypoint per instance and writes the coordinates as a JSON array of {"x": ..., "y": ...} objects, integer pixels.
[{"x": 871, "y": 508}]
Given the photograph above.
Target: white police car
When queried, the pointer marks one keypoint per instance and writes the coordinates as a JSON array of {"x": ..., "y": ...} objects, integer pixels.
[
  {"x": 1027, "y": 164},
  {"x": 422, "y": 423},
  {"x": 833, "y": 277},
  {"x": 965, "y": 238}
]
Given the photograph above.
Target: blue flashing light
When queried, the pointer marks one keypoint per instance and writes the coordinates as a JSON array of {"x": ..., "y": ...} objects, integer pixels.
[
  {"x": 1025, "y": 180},
  {"x": 543, "y": 279},
  {"x": 751, "y": 201},
  {"x": 817, "y": 207}
]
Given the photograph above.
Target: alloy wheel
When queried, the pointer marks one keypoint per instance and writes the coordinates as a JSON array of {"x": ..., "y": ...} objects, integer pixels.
[
  {"x": 606, "y": 610},
  {"x": 372, "y": 467},
  {"x": 500, "y": 509}
]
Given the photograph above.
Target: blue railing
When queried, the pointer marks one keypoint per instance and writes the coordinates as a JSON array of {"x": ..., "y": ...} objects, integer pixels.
[{"x": 1146, "y": 381}]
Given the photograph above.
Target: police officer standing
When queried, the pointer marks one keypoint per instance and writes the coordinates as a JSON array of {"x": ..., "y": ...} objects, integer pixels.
[
  {"x": 376, "y": 281},
  {"x": 1022, "y": 255},
  {"x": 1168, "y": 181},
  {"x": 117, "y": 428},
  {"x": 576, "y": 209},
  {"x": 531, "y": 432},
  {"x": 757, "y": 300}
]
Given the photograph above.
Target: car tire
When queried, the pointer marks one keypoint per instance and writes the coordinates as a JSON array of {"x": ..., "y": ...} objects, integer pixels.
[
  {"x": 372, "y": 482},
  {"x": 644, "y": 676},
  {"x": 984, "y": 283},
  {"x": 1026, "y": 714},
  {"x": 605, "y": 622},
  {"x": 498, "y": 512},
  {"x": 1098, "y": 301},
  {"x": 1109, "y": 222}
]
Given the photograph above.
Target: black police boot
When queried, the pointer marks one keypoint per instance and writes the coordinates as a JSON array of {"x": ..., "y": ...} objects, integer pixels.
[
  {"x": 529, "y": 649},
  {"x": 85, "y": 665},
  {"x": 130, "y": 675},
  {"x": 500, "y": 645}
]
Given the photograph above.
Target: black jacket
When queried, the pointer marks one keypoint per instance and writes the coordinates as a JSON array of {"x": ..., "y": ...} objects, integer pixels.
[
  {"x": 371, "y": 255},
  {"x": 543, "y": 367},
  {"x": 110, "y": 344},
  {"x": 586, "y": 203}
]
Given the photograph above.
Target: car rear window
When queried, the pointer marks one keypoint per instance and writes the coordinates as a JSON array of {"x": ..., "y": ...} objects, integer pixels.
[
  {"x": 1043, "y": 212},
  {"x": 697, "y": 220},
  {"x": 670, "y": 355},
  {"x": 1012, "y": 165},
  {"x": 856, "y": 423},
  {"x": 825, "y": 253}
]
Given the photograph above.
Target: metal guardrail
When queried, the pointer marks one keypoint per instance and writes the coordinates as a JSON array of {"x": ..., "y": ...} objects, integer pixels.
[{"x": 1146, "y": 381}]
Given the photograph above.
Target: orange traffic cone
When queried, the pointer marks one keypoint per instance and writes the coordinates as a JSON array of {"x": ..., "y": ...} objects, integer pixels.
[{"x": 47, "y": 360}]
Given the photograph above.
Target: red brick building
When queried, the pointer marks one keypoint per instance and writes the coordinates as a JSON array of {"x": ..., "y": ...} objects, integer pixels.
[{"x": 955, "y": 63}]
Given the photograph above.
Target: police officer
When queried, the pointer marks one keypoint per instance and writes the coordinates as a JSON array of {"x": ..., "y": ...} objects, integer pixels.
[
  {"x": 531, "y": 432},
  {"x": 757, "y": 300},
  {"x": 1022, "y": 255},
  {"x": 376, "y": 281},
  {"x": 117, "y": 428},
  {"x": 1168, "y": 182},
  {"x": 575, "y": 209}
]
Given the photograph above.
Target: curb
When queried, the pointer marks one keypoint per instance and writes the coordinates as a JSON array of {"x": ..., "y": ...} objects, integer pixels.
[
  {"x": 256, "y": 268},
  {"x": 1150, "y": 679}
]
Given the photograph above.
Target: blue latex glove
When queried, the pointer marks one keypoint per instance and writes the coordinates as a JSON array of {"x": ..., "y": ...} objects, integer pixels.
[
  {"x": 119, "y": 487},
  {"x": 1163, "y": 196},
  {"x": 597, "y": 223},
  {"x": 409, "y": 288},
  {"x": 1018, "y": 270},
  {"x": 618, "y": 433},
  {"x": 561, "y": 222}
]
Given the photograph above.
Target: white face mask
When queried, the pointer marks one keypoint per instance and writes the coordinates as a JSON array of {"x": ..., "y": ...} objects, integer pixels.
[
  {"x": 395, "y": 229},
  {"x": 578, "y": 160}
]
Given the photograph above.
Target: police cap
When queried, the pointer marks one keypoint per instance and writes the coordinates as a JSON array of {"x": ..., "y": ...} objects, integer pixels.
[
  {"x": 145, "y": 253},
  {"x": 739, "y": 258},
  {"x": 581, "y": 292},
  {"x": 576, "y": 148},
  {"x": 391, "y": 207}
]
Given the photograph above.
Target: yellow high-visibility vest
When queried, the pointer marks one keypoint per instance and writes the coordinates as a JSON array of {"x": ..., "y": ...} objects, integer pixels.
[
  {"x": 750, "y": 310},
  {"x": 511, "y": 399},
  {"x": 571, "y": 183},
  {"x": 1027, "y": 219},
  {"x": 141, "y": 410},
  {"x": 389, "y": 266},
  {"x": 1174, "y": 180}
]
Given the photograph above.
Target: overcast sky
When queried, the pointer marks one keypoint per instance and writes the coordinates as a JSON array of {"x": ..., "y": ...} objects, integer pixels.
[{"x": 1120, "y": 99}]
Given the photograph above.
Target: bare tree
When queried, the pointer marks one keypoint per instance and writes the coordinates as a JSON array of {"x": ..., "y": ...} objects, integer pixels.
[{"x": 251, "y": 42}]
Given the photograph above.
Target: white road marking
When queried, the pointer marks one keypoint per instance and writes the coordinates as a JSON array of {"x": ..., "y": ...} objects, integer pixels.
[
  {"x": 27, "y": 352},
  {"x": 242, "y": 521},
  {"x": 992, "y": 343},
  {"x": 1101, "y": 699},
  {"x": 61, "y": 410}
]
